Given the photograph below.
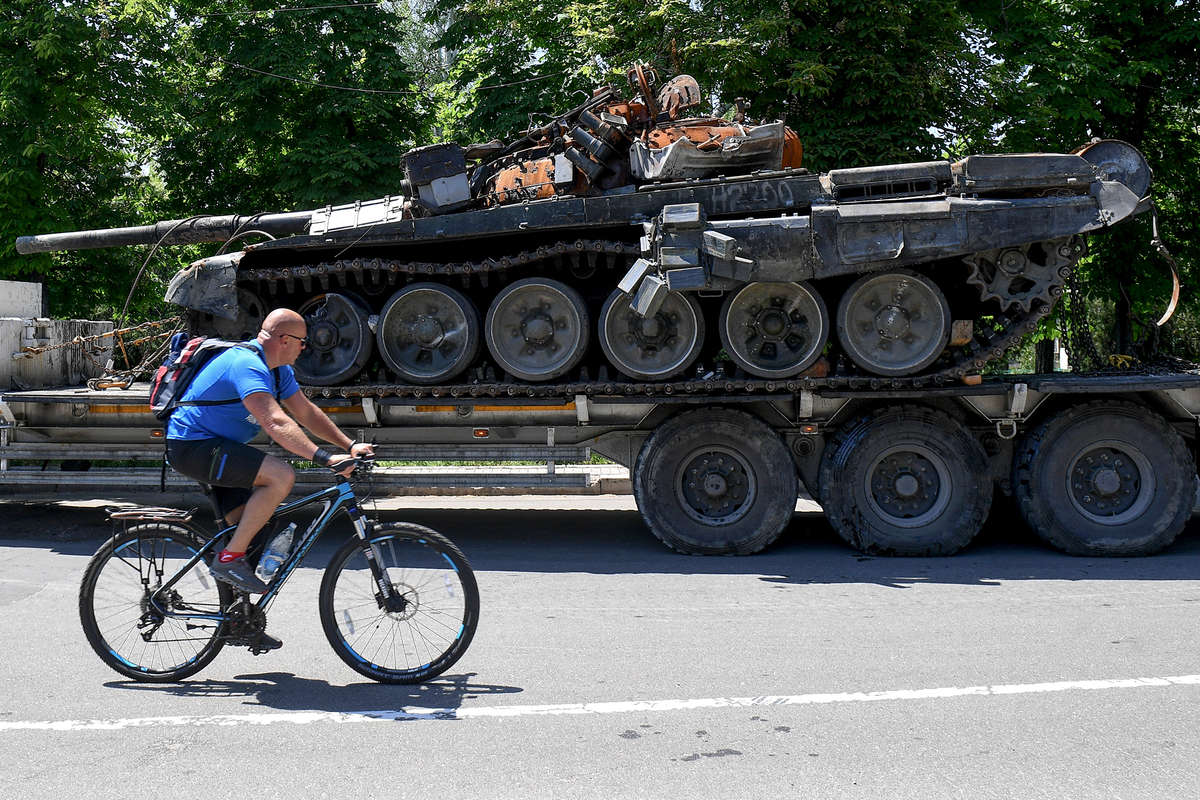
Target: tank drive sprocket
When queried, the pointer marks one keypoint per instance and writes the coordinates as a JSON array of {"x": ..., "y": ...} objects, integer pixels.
[{"x": 1018, "y": 277}]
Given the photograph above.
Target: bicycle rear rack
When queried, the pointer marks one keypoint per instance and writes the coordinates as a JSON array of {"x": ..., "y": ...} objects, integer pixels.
[{"x": 150, "y": 514}]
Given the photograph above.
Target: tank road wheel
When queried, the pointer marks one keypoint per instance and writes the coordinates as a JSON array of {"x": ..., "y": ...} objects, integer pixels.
[
  {"x": 428, "y": 333},
  {"x": 339, "y": 340},
  {"x": 250, "y": 316},
  {"x": 905, "y": 481},
  {"x": 774, "y": 330},
  {"x": 1105, "y": 479},
  {"x": 651, "y": 349},
  {"x": 894, "y": 324},
  {"x": 715, "y": 482},
  {"x": 537, "y": 329}
]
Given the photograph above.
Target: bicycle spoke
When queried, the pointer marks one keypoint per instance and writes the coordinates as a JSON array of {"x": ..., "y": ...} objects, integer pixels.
[
  {"x": 138, "y": 637},
  {"x": 431, "y": 622}
]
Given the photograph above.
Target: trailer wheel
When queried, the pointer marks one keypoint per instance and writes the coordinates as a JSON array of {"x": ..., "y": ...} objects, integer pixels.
[
  {"x": 1105, "y": 479},
  {"x": 715, "y": 483},
  {"x": 905, "y": 481}
]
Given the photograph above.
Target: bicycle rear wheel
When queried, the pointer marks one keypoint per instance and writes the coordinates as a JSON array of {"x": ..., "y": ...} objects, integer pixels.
[
  {"x": 433, "y": 615},
  {"x": 126, "y": 631}
]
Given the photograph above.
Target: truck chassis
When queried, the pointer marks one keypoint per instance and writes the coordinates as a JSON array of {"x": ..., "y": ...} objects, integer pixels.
[{"x": 1096, "y": 464}]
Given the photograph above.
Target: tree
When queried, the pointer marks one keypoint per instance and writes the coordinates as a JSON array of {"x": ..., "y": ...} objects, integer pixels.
[
  {"x": 64, "y": 163},
  {"x": 1066, "y": 72},
  {"x": 258, "y": 124},
  {"x": 862, "y": 82}
]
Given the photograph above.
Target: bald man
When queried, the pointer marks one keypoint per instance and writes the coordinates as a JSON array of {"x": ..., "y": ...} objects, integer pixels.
[{"x": 240, "y": 391}]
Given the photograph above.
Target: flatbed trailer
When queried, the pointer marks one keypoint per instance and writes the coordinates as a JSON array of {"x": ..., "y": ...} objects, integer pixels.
[{"x": 1098, "y": 464}]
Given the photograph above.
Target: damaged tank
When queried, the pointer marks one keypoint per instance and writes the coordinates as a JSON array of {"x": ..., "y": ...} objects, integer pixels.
[{"x": 630, "y": 243}]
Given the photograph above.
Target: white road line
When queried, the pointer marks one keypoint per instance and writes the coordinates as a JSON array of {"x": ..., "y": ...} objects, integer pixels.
[{"x": 624, "y": 707}]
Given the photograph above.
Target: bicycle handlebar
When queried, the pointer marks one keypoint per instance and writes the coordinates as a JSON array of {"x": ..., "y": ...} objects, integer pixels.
[{"x": 359, "y": 462}]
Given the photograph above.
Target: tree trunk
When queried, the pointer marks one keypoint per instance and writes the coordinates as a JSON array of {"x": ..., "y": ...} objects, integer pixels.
[
  {"x": 1124, "y": 325},
  {"x": 1043, "y": 356}
]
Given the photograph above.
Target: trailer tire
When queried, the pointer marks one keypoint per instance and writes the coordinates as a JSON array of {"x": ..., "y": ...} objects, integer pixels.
[
  {"x": 905, "y": 481},
  {"x": 715, "y": 482},
  {"x": 1107, "y": 478}
]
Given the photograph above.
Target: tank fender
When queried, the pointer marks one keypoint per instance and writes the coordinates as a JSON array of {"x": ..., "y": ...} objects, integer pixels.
[
  {"x": 209, "y": 285},
  {"x": 1115, "y": 202}
]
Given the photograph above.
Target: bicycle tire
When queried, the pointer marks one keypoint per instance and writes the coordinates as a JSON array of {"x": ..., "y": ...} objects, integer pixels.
[
  {"x": 116, "y": 617},
  {"x": 439, "y": 618}
]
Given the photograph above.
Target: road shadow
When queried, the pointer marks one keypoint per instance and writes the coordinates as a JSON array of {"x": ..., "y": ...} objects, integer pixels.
[
  {"x": 618, "y": 542},
  {"x": 808, "y": 551},
  {"x": 284, "y": 691}
]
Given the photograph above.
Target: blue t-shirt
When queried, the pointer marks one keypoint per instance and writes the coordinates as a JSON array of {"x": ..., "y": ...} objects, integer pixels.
[{"x": 237, "y": 372}]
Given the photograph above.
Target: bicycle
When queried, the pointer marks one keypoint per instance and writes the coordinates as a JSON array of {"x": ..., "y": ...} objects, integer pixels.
[{"x": 398, "y": 602}]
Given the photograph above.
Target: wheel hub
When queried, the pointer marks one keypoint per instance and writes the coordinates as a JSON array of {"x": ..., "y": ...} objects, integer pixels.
[
  {"x": 323, "y": 335},
  {"x": 537, "y": 328},
  {"x": 905, "y": 484},
  {"x": 1105, "y": 482},
  {"x": 427, "y": 331},
  {"x": 892, "y": 322},
  {"x": 716, "y": 486},
  {"x": 773, "y": 324},
  {"x": 1012, "y": 262},
  {"x": 653, "y": 333},
  {"x": 403, "y": 603}
]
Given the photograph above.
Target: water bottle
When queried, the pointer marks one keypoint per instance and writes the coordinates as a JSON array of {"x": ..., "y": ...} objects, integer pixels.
[{"x": 274, "y": 554}]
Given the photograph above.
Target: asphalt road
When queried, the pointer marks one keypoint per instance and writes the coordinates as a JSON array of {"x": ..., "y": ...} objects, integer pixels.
[{"x": 607, "y": 667}]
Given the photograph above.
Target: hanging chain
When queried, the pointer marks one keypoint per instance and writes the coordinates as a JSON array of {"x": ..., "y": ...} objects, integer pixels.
[
  {"x": 1078, "y": 341},
  {"x": 92, "y": 350}
]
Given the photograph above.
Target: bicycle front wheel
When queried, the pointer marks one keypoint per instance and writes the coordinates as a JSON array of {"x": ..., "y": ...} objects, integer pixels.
[
  {"x": 132, "y": 634},
  {"x": 430, "y": 620}
]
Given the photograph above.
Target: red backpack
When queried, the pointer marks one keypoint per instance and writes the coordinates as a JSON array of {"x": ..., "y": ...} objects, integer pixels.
[{"x": 184, "y": 362}]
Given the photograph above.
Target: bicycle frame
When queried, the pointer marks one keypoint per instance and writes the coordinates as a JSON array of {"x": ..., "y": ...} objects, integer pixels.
[{"x": 337, "y": 498}]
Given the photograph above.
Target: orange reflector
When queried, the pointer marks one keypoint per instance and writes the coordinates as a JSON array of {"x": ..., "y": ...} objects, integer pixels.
[
  {"x": 433, "y": 409},
  {"x": 480, "y": 433},
  {"x": 157, "y": 433},
  {"x": 808, "y": 428},
  {"x": 123, "y": 409},
  {"x": 565, "y": 407}
]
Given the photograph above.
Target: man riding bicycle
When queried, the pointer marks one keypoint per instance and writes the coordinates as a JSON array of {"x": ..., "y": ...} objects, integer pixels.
[{"x": 208, "y": 432}]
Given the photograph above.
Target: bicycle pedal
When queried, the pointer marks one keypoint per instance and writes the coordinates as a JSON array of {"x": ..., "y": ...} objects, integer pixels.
[{"x": 264, "y": 644}]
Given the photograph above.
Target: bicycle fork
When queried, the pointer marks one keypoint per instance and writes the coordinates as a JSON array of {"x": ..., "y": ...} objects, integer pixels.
[{"x": 387, "y": 597}]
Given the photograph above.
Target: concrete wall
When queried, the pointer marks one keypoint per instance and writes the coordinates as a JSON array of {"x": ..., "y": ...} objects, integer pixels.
[
  {"x": 67, "y": 366},
  {"x": 21, "y": 299}
]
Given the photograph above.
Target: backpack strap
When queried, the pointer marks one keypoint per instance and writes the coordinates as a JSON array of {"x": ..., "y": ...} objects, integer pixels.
[{"x": 275, "y": 374}]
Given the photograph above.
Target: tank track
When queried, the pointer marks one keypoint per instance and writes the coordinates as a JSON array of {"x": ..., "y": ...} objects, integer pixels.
[
  {"x": 382, "y": 272},
  {"x": 988, "y": 342}
]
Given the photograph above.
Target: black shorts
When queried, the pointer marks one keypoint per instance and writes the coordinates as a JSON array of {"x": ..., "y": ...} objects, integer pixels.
[{"x": 227, "y": 466}]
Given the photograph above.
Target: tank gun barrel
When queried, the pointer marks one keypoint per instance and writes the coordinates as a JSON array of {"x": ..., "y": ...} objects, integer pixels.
[{"x": 170, "y": 232}]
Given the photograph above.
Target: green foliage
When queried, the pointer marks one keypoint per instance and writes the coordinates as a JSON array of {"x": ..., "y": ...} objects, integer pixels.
[
  {"x": 860, "y": 82},
  {"x": 64, "y": 162},
  {"x": 1064, "y": 72},
  {"x": 237, "y": 140}
]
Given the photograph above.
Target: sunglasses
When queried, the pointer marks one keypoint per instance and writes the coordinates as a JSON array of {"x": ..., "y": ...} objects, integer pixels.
[{"x": 303, "y": 340}]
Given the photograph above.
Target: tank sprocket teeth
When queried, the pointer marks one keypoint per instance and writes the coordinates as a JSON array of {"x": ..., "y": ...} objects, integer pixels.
[{"x": 994, "y": 273}]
